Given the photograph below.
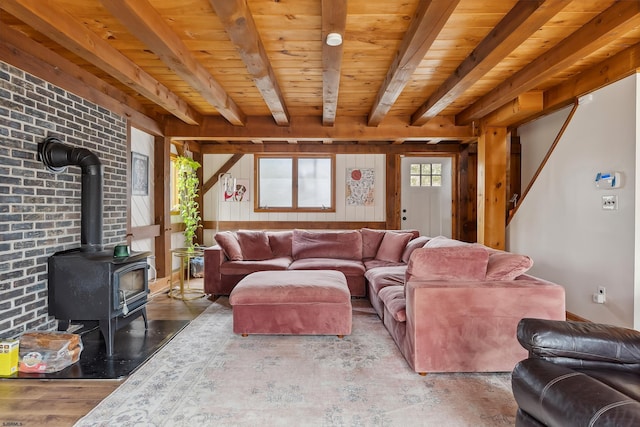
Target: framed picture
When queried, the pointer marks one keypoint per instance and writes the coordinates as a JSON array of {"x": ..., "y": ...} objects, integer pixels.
[{"x": 139, "y": 174}]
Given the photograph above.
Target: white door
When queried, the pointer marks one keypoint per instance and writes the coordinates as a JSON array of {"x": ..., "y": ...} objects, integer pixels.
[{"x": 427, "y": 195}]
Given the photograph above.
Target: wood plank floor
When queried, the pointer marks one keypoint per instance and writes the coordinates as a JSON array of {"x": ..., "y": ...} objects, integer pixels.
[{"x": 36, "y": 403}]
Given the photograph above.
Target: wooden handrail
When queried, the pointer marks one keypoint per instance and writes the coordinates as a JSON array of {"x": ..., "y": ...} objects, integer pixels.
[{"x": 546, "y": 158}]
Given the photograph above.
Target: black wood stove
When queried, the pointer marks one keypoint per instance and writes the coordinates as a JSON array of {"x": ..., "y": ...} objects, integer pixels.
[{"x": 89, "y": 283}]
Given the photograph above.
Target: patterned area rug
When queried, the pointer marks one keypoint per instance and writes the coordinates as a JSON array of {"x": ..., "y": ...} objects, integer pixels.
[{"x": 207, "y": 376}]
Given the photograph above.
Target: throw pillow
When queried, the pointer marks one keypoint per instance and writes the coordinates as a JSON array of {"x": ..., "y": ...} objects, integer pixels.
[
  {"x": 254, "y": 245},
  {"x": 371, "y": 240},
  {"x": 464, "y": 263},
  {"x": 392, "y": 246},
  {"x": 229, "y": 244},
  {"x": 507, "y": 266}
]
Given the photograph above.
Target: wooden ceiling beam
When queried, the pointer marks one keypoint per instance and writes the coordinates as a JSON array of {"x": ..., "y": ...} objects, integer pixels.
[
  {"x": 241, "y": 28},
  {"x": 334, "y": 20},
  {"x": 525, "y": 105},
  {"x": 305, "y": 128},
  {"x": 430, "y": 18},
  {"x": 320, "y": 148},
  {"x": 612, "y": 69},
  {"x": 55, "y": 23},
  {"x": 146, "y": 24},
  {"x": 523, "y": 20},
  {"x": 620, "y": 18}
]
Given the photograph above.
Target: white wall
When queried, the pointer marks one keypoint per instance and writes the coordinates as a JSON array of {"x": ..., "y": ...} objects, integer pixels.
[
  {"x": 142, "y": 206},
  {"x": 243, "y": 211},
  {"x": 561, "y": 223}
]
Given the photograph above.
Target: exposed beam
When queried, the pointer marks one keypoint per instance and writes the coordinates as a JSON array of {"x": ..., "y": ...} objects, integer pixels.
[
  {"x": 515, "y": 111},
  {"x": 241, "y": 28},
  {"x": 30, "y": 56},
  {"x": 320, "y": 148},
  {"x": 523, "y": 20},
  {"x": 619, "y": 19},
  {"x": 223, "y": 169},
  {"x": 427, "y": 23},
  {"x": 55, "y": 23},
  {"x": 306, "y": 128},
  {"x": 144, "y": 22},
  {"x": 608, "y": 71},
  {"x": 334, "y": 20}
]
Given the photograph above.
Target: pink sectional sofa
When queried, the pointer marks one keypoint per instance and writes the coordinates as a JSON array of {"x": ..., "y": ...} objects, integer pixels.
[
  {"x": 351, "y": 252},
  {"x": 449, "y": 306}
]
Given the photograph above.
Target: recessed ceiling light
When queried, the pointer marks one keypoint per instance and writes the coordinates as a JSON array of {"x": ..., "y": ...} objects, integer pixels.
[{"x": 334, "y": 39}]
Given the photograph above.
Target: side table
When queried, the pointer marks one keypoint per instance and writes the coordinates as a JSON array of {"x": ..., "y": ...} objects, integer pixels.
[{"x": 183, "y": 292}]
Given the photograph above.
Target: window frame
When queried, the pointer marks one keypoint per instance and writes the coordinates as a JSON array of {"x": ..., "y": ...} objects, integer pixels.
[{"x": 294, "y": 187}]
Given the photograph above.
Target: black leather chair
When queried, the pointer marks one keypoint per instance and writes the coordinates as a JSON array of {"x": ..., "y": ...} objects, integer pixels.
[{"x": 577, "y": 374}]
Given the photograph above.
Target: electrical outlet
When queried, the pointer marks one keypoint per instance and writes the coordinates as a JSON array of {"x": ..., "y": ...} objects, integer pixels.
[
  {"x": 600, "y": 297},
  {"x": 610, "y": 203}
]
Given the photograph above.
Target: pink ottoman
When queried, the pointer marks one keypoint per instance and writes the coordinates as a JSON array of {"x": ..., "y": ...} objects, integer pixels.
[{"x": 292, "y": 302}]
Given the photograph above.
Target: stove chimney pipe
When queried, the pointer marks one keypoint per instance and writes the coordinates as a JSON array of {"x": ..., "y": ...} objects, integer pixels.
[{"x": 56, "y": 156}]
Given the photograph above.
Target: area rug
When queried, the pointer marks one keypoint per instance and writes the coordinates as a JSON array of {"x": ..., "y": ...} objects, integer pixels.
[
  {"x": 207, "y": 376},
  {"x": 133, "y": 345}
]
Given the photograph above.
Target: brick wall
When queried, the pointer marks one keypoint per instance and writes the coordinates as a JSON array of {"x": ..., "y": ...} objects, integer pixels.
[{"x": 40, "y": 210}]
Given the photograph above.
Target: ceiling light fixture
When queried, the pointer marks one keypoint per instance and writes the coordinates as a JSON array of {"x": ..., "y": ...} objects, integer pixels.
[{"x": 334, "y": 39}]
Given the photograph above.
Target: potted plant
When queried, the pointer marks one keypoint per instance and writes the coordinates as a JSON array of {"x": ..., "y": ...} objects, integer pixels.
[{"x": 187, "y": 183}]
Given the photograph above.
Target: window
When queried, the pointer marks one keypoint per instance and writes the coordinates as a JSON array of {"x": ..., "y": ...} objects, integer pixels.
[
  {"x": 295, "y": 183},
  {"x": 173, "y": 192},
  {"x": 426, "y": 175}
]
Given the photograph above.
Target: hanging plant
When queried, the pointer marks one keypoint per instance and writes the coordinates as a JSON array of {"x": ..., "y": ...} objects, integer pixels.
[{"x": 187, "y": 183}]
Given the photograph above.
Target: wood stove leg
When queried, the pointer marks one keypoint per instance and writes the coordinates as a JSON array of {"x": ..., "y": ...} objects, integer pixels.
[
  {"x": 108, "y": 327},
  {"x": 144, "y": 317}
]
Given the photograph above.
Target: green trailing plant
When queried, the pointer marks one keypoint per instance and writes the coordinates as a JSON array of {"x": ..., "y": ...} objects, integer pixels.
[{"x": 187, "y": 183}]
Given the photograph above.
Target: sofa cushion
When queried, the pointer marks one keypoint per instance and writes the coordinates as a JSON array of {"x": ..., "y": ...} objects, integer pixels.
[
  {"x": 327, "y": 244},
  {"x": 375, "y": 263},
  {"x": 349, "y": 267},
  {"x": 233, "y": 268},
  {"x": 229, "y": 244},
  {"x": 393, "y": 299},
  {"x": 254, "y": 245},
  {"x": 280, "y": 242},
  {"x": 413, "y": 244},
  {"x": 371, "y": 240},
  {"x": 466, "y": 263},
  {"x": 392, "y": 246},
  {"x": 507, "y": 266},
  {"x": 381, "y": 277}
]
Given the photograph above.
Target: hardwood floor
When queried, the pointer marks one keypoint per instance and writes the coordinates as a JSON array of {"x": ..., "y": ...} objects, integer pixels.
[{"x": 35, "y": 403}]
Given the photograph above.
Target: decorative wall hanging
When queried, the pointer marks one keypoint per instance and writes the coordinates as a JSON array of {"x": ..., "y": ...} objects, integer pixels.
[
  {"x": 360, "y": 187},
  {"x": 139, "y": 174}
]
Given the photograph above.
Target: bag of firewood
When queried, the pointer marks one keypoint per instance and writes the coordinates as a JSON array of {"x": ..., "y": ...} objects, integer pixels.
[{"x": 46, "y": 352}]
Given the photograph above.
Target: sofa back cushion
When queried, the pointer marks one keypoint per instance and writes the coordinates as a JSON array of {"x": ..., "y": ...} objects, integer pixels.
[
  {"x": 445, "y": 242},
  {"x": 229, "y": 244},
  {"x": 392, "y": 246},
  {"x": 280, "y": 242},
  {"x": 463, "y": 263},
  {"x": 327, "y": 244},
  {"x": 371, "y": 240},
  {"x": 254, "y": 245},
  {"x": 413, "y": 244}
]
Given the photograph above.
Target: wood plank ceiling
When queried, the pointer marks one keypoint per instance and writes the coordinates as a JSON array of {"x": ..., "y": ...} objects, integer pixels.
[{"x": 260, "y": 71}]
